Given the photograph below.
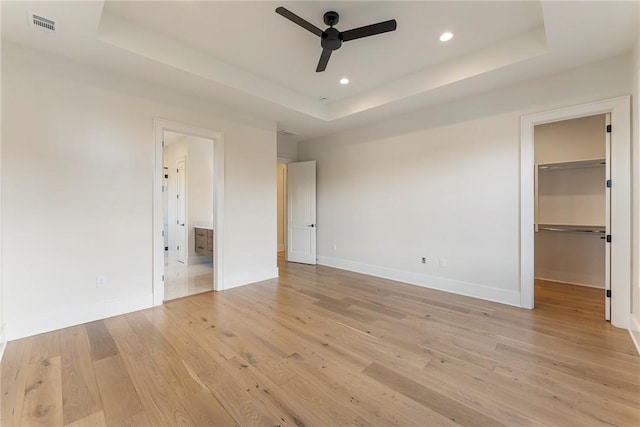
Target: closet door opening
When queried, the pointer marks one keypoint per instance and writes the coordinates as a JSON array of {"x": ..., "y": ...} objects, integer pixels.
[{"x": 572, "y": 264}]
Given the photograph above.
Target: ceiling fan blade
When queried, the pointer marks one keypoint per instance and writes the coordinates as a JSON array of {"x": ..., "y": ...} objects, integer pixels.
[
  {"x": 297, "y": 20},
  {"x": 324, "y": 59},
  {"x": 369, "y": 30}
]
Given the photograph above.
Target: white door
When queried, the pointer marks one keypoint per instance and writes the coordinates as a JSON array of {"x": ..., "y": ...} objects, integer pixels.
[
  {"x": 165, "y": 207},
  {"x": 607, "y": 223},
  {"x": 181, "y": 209},
  {"x": 301, "y": 212}
]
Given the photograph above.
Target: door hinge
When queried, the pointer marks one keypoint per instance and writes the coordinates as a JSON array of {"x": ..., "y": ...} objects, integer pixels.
[
  {"x": 608, "y": 128},
  {"x": 177, "y": 170},
  {"x": 177, "y": 196},
  {"x": 177, "y": 221},
  {"x": 608, "y": 293},
  {"x": 608, "y": 238},
  {"x": 163, "y": 143},
  {"x": 163, "y": 277},
  {"x": 608, "y": 183},
  {"x": 177, "y": 248}
]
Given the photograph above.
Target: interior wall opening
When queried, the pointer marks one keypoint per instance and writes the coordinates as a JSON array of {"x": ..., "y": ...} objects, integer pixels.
[
  {"x": 281, "y": 171},
  {"x": 188, "y": 214},
  {"x": 572, "y": 216}
]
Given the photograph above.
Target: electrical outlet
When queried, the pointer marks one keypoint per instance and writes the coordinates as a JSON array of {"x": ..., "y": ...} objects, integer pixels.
[
  {"x": 443, "y": 263},
  {"x": 424, "y": 260},
  {"x": 101, "y": 282}
]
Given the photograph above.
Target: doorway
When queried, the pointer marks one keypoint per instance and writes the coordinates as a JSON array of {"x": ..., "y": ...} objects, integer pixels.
[
  {"x": 620, "y": 191},
  {"x": 572, "y": 217},
  {"x": 188, "y": 162},
  {"x": 281, "y": 173},
  {"x": 188, "y": 211}
]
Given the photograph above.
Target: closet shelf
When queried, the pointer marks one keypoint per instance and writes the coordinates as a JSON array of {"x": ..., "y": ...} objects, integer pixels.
[
  {"x": 576, "y": 164},
  {"x": 585, "y": 229}
]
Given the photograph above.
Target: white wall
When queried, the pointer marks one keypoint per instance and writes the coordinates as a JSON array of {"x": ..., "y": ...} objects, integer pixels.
[
  {"x": 77, "y": 175},
  {"x": 287, "y": 150},
  {"x": 571, "y": 196},
  {"x": 635, "y": 147},
  {"x": 3, "y": 337},
  {"x": 442, "y": 183}
]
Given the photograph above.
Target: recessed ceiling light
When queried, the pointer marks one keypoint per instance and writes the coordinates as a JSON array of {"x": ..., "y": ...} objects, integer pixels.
[
  {"x": 445, "y": 37},
  {"x": 344, "y": 81}
]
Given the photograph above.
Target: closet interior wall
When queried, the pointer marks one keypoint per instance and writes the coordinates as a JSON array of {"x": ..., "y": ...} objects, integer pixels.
[{"x": 571, "y": 195}]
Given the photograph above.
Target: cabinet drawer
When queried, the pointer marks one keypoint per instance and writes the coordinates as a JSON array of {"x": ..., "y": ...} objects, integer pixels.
[
  {"x": 201, "y": 232},
  {"x": 202, "y": 239}
]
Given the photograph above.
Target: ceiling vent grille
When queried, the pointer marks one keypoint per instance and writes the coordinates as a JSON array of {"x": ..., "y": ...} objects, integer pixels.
[
  {"x": 43, "y": 24},
  {"x": 286, "y": 133}
]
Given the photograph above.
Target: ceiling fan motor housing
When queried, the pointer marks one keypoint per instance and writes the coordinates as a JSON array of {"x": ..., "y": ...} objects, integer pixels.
[{"x": 331, "y": 39}]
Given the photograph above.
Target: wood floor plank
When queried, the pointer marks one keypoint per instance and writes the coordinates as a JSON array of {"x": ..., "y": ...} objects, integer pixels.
[
  {"x": 93, "y": 420},
  {"x": 119, "y": 398},
  {"x": 153, "y": 389},
  {"x": 324, "y": 347},
  {"x": 205, "y": 410},
  {"x": 432, "y": 399},
  {"x": 180, "y": 382},
  {"x": 43, "y": 393},
  {"x": 80, "y": 394},
  {"x": 13, "y": 380},
  {"x": 102, "y": 344}
]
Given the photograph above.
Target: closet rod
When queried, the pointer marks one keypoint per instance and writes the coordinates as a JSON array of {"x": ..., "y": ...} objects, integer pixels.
[{"x": 593, "y": 230}]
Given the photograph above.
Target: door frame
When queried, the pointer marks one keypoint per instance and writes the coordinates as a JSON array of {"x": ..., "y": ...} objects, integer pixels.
[
  {"x": 620, "y": 110},
  {"x": 159, "y": 127}
]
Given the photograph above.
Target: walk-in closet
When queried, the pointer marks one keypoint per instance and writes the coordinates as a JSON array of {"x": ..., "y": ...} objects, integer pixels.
[{"x": 572, "y": 206}]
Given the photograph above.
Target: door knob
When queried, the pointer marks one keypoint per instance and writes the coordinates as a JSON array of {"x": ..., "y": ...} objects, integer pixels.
[{"x": 312, "y": 225}]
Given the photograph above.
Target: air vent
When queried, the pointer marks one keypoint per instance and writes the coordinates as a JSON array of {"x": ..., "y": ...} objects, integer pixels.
[
  {"x": 42, "y": 23},
  {"x": 286, "y": 133}
]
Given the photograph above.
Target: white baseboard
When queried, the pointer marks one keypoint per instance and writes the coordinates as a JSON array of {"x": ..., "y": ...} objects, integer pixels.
[
  {"x": 475, "y": 290},
  {"x": 634, "y": 330},
  {"x": 3, "y": 340},
  {"x": 569, "y": 283},
  {"x": 570, "y": 277},
  {"x": 74, "y": 315},
  {"x": 249, "y": 278}
]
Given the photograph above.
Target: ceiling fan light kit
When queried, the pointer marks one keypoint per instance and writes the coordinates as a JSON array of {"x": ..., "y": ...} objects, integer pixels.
[{"x": 331, "y": 39}]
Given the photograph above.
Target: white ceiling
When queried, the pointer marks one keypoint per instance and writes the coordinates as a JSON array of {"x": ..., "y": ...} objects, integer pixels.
[{"x": 247, "y": 56}]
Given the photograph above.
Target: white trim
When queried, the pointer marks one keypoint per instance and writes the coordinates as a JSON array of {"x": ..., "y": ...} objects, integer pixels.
[
  {"x": 458, "y": 287},
  {"x": 620, "y": 199},
  {"x": 77, "y": 315},
  {"x": 3, "y": 340},
  {"x": 634, "y": 331},
  {"x": 250, "y": 278},
  {"x": 570, "y": 283},
  {"x": 161, "y": 125}
]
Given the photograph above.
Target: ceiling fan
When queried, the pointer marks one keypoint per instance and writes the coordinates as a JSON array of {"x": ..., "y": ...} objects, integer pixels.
[{"x": 331, "y": 39}]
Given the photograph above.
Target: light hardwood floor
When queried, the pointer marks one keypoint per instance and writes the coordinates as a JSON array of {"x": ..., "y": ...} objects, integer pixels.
[{"x": 325, "y": 347}]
